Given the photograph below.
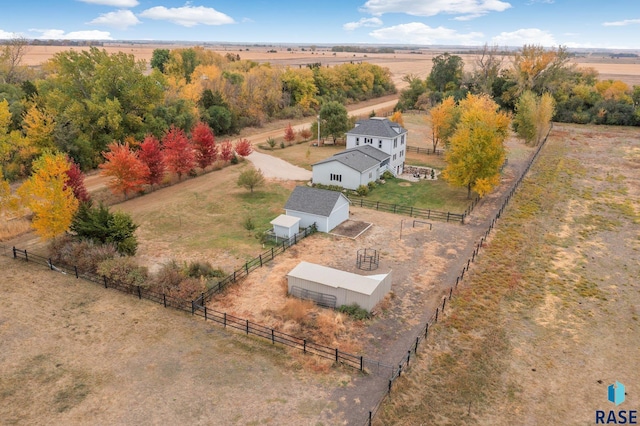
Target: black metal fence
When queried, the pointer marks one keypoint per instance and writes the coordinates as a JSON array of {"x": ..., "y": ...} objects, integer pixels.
[
  {"x": 429, "y": 151},
  {"x": 255, "y": 263},
  {"x": 408, "y": 210},
  {"x": 403, "y": 364},
  {"x": 227, "y": 321}
]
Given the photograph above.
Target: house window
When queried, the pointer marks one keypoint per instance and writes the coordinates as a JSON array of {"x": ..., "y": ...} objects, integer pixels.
[
  {"x": 395, "y": 143},
  {"x": 394, "y": 157},
  {"x": 336, "y": 178},
  {"x": 402, "y": 140},
  {"x": 357, "y": 141},
  {"x": 380, "y": 143},
  {"x": 402, "y": 153}
]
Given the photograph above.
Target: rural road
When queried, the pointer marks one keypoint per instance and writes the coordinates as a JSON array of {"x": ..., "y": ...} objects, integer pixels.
[{"x": 271, "y": 167}]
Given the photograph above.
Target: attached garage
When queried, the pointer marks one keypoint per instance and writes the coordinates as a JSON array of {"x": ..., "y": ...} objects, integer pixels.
[
  {"x": 327, "y": 209},
  {"x": 328, "y": 285}
]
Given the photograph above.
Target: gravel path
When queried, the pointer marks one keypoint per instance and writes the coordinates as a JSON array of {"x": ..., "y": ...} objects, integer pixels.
[{"x": 275, "y": 168}]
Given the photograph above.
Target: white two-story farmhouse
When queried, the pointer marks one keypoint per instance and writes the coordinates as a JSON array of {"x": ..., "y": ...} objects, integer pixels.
[{"x": 383, "y": 134}]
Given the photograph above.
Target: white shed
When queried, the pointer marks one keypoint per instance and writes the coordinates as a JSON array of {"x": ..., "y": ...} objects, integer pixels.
[
  {"x": 327, "y": 209},
  {"x": 285, "y": 226},
  {"x": 324, "y": 283}
]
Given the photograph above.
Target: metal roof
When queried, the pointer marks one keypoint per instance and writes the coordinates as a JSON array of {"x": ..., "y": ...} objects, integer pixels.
[
  {"x": 377, "y": 127},
  {"x": 360, "y": 158},
  {"x": 336, "y": 278},
  {"x": 306, "y": 199},
  {"x": 285, "y": 221}
]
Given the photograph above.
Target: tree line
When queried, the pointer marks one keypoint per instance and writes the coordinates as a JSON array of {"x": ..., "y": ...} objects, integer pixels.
[
  {"x": 578, "y": 94},
  {"x": 79, "y": 102}
]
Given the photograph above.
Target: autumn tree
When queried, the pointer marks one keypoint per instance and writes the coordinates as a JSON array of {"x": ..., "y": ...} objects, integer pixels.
[
  {"x": 75, "y": 181},
  {"x": 243, "y": 147},
  {"x": 446, "y": 73},
  {"x": 251, "y": 178},
  {"x": 487, "y": 68},
  {"x": 204, "y": 145},
  {"x": 533, "y": 116},
  {"x": 150, "y": 153},
  {"x": 305, "y": 134},
  {"x": 127, "y": 172},
  {"x": 476, "y": 150},
  {"x": 442, "y": 118},
  {"x": 179, "y": 155},
  {"x": 38, "y": 126},
  {"x": 397, "y": 118},
  {"x": 226, "y": 151},
  {"x": 46, "y": 194},
  {"x": 11, "y": 69},
  {"x": 335, "y": 119},
  {"x": 289, "y": 134}
]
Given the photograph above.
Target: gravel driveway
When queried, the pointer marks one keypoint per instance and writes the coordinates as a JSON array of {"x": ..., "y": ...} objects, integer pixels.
[{"x": 275, "y": 168}]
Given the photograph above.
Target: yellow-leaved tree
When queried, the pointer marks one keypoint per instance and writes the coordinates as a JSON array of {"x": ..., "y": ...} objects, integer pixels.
[
  {"x": 442, "y": 118},
  {"x": 46, "y": 194},
  {"x": 476, "y": 148}
]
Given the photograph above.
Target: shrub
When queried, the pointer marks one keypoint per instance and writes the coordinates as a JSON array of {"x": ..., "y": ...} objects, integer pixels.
[
  {"x": 271, "y": 142},
  {"x": 387, "y": 175},
  {"x": 337, "y": 188},
  {"x": 168, "y": 277},
  {"x": 362, "y": 190},
  {"x": 101, "y": 226},
  {"x": 371, "y": 185},
  {"x": 248, "y": 224},
  {"x": 354, "y": 311},
  {"x": 84, "y": 254},
  {"x": 297, "y": 310},
  {"x": 124, "y": 269},
  {"x": 234, "y": 159},
  {"x": 282, "y": 145},
  {"x": 203, "y": 269}
]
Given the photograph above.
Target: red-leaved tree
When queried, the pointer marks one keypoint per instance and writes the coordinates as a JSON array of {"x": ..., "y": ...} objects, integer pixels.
[
  {"x": 243, "y": 147},
  {"x": 150, "y": 153},
  {"x": 305, "y": 134},
  {"x": 204, "y": 145},
  {"x": 178, "y": 152},
  {"x": 289, "y": 134},
  {"x": 226, "y": 151},
  {"x": 124, "y": 167},
  {"x": 75, "y": 181}
]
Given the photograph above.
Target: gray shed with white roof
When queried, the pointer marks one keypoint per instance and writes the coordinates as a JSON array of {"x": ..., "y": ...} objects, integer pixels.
[
  {"x": 327, "y": 209},
  {"x": 346, "y": 287}
]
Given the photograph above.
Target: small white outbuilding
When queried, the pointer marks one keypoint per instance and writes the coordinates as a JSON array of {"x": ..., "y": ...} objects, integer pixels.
[
  {"x": 327, "y": 209},
  {"x": 323, "y": 283},
  {"x": 285, "y": 226}
]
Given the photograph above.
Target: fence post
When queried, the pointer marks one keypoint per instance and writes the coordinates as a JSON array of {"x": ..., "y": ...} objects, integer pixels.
[
  {"x": 304, "y": 346},
  {"x": 447, "y": 216},
  {"x": 271, "y": 253},
  {"x": 225, "y": 320},
  {"x": 336, "y": 354},
  {"x": 247, "y": 326},
  {"x": 390, "y": 383},
  {"x": 426, "y": 330},
  {"x": 261, "y": 260},
  {"x": 205, "y": 313},
  {"x": 411, "y": 214},
  {"x": 444, "y": 301},
  {"x": 26, "y": 256},
  {"x": 139, "y": 293},
  {"x": 76, "y": 270},
  {"x": 295, "y": 239},
  {"x": 399, "y": 370},
  {"x": 14, "y": 252},
  {"x": 416, "y": 349},
  {"x": 408, "y": 356},
  {"x": 361, "y": 363},
  {"x": 50, "y": 264},
  {"x": 104, "y": 277},
  {"x": 273, "y": 337},
  {"x": 193, "y": 307},
  {"x": 370, "y": 418},
  {"x": 450, "y": 292},
  {"x": 164, "y": 299},
  {"x": 283, "y": 247},
  {"x": 436, "y": 314},
  {"x": 457, "y": 279}
]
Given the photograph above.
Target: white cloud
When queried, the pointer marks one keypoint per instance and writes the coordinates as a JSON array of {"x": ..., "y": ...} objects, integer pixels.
[
  {"x": 121, "y": 19},
  {"x": 53, "y": 34},
  {"x": 4, "y": 35},
  {"x": 364, "y": 22},
  {"x": 469, "y": 8},
  {"x": 419, "y": 33},
  {"x": 523, "y": 36},
  {"x": 114, "y": 3},
  {"x": 622, "y": 23},
  {"x": 188, "y": 16}
]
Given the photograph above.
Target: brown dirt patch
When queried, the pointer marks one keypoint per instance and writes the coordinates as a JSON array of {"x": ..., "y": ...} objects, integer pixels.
[{"x": 351, "y": 228}]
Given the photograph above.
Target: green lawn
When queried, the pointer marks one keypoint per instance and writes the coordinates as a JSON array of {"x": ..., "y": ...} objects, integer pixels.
[{"x": 426, "y": 194}]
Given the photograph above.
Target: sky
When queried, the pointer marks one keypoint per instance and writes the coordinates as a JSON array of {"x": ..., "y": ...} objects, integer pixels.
[{"x": 612, "y": 24}]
